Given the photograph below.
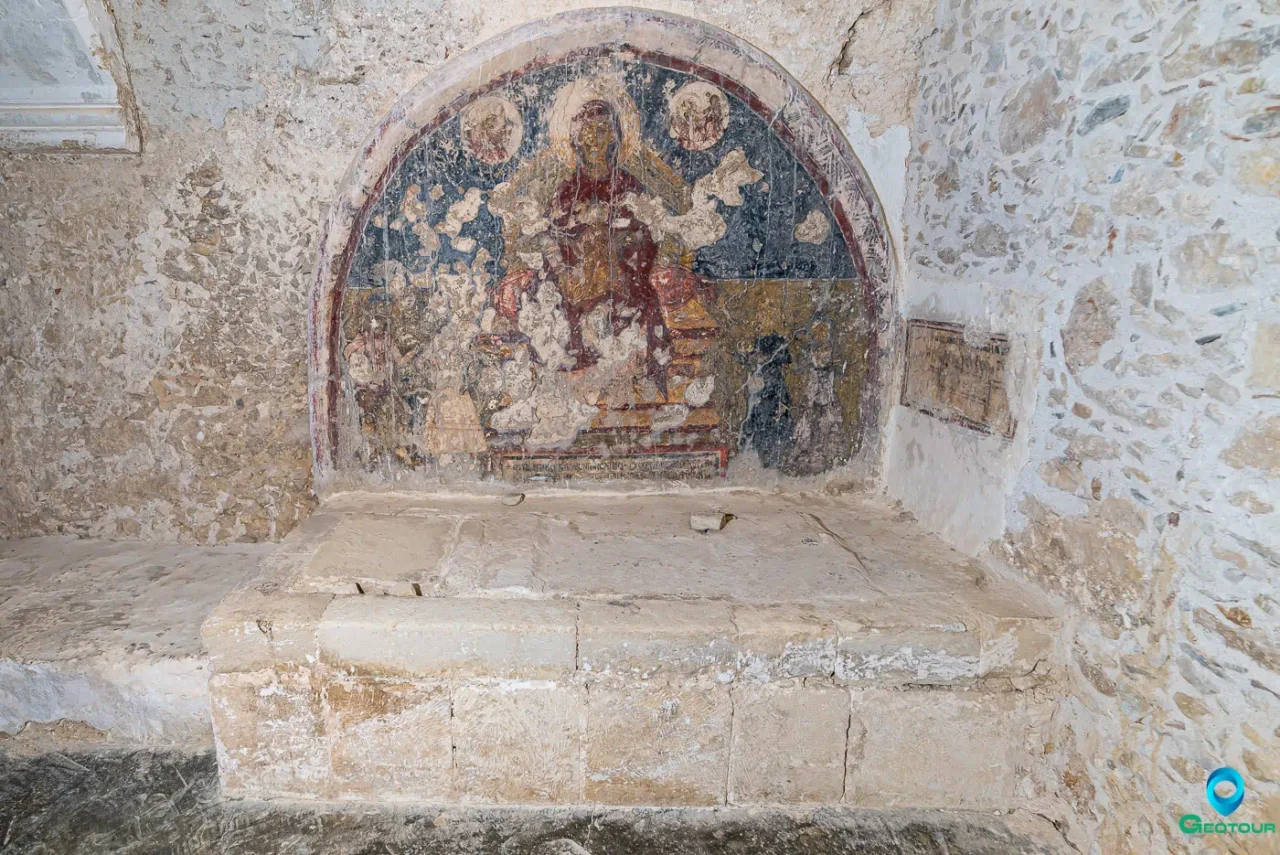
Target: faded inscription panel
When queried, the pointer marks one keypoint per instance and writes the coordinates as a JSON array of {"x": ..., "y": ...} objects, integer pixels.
[
  {"x": 669, "y": 464},
  {"x": 956, "y": 381},
  {"x": 605, "y": 267}
]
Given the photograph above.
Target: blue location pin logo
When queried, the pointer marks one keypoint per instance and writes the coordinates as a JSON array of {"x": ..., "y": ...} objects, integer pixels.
[{"x": 1225, "y": 805}]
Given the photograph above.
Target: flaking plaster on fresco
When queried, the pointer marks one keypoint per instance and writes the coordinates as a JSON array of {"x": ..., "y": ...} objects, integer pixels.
[{"x": 594, "y": 258}]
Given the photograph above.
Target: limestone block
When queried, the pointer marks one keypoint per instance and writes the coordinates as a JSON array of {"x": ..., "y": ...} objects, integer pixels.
[
  {"x": 897, "y": 655},
  {"x": 642, "y": 638},
  {"x": 389, "y": 739},
  {"x": 376, "y": 552},
  {"x": 268, "y": 732},
  {"x": 783, "y": 641},
  {"x": 1014, "y": 647},
  {"x": 1265, "y": 370},
  {"x": 1018, "y": 630},
  {"x": 952, "y": 748},
  {"x": 654, "y": 743},
  {"x": 283, "y": 566},
  {"x": 1257, "y": 447},
  {"x": 913, "y": 640},
  {"x": 252, "y": 631},
  {"x": 518, "y": 743},
  {"x": 788, "y": 744},
  {"x": 499, "y": 553},
  {"x": 422, "y": 636}
]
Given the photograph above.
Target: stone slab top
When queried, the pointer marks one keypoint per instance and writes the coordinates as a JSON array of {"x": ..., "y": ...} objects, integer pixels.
[
  {"x": 776, "y": 549},
  {"x": 603, "y": 586}
]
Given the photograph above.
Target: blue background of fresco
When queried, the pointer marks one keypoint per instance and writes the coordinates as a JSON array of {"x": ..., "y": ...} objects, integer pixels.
[{"x": 760, "y": 239}]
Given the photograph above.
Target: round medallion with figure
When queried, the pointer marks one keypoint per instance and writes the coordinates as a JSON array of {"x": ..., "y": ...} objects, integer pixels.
[
  {"x": 491, "y": 130},
  {"x": 699, "y": 115}
]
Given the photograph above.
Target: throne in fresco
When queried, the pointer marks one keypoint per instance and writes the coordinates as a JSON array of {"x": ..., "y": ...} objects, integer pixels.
[{"x": 612, "y": 246}]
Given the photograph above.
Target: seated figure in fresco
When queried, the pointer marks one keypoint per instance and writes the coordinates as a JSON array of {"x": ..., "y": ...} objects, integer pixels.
[
  {"x": 607, "y": 253},
  {"x": 597, "y": 251}
]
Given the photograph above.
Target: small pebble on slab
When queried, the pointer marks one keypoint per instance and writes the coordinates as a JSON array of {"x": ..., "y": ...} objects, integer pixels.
[
  {"x": 709, "y": 521},
  {"x": 512, "y": 499}
]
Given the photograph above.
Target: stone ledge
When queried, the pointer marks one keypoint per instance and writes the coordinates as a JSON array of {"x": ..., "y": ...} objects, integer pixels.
[
  {"x": 643, "y": 638},
  {"x": 779, "y": 548},
  {"x": 899, "y": 641},
  {"x": 784, "y": 641},
  {"x": 795, "y": 586},
  {"x": 933, "y": 641},
  {"x": 250, "y": 630},
  {"x": 421, "y": 636},
  {"x": 102, "y": 638}
]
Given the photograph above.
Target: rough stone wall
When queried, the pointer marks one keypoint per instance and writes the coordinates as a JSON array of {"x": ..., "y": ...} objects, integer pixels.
[
  {"x": 1099, "y": 181},
  {"x": 152, "y": 314}
]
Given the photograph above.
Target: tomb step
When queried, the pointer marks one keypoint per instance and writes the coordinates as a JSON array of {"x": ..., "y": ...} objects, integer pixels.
[{"x": 597, "y": 650}]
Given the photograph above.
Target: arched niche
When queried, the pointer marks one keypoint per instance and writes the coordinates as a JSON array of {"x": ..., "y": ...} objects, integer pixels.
[{"x": 610, "y": 244}]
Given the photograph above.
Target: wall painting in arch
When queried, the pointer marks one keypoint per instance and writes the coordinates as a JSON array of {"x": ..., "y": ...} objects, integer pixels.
[{"x": 609, "y": 266}]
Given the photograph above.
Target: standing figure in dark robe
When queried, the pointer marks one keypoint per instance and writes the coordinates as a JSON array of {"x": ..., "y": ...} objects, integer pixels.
[{"x": 768, "y": 427}]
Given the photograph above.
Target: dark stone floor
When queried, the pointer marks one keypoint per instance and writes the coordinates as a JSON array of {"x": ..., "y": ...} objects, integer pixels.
[{"x": 159, "y": 802}]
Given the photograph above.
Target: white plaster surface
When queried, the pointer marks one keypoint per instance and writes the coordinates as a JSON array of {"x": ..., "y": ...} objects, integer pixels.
[
  {"x": 884, "y": 156},
  {"x": 954, "y": 481},
  {"x": 61, "y": 77}
]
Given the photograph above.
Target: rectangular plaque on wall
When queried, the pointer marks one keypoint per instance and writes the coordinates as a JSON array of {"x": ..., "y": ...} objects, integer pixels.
[{"x": 955, "y": 380}]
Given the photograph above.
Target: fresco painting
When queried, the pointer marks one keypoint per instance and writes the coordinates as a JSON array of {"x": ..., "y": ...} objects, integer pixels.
[{"x": 604, "y": 267}]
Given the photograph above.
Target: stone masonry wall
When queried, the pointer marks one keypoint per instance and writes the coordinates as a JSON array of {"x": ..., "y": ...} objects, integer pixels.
[
  {"x": 153, "y": 308},
  {"x": 1099, "y": 181}
]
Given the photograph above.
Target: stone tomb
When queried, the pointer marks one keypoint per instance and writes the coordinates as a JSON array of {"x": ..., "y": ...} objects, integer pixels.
[{"x": 596, "y": 649}]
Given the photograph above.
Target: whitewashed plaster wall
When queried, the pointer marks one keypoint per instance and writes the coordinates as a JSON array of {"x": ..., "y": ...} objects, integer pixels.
[
  {"x": 153, "y": 308},
  {"x": 63, "y": 80},
  {"x": 1101, "y": 181}
]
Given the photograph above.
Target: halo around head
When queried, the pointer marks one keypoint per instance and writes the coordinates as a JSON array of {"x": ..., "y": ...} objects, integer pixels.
[
  {"x": 608, "y": 88},
  {"x": 491, "y": 130},
  {"x": 698, "y": 114}
]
